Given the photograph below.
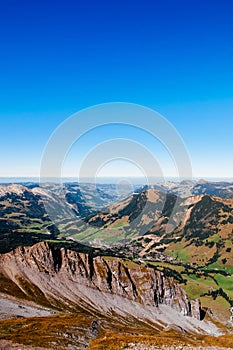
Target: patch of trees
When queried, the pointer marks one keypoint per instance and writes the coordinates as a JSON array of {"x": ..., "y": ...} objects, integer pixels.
[{"x": 219, "y": 292}]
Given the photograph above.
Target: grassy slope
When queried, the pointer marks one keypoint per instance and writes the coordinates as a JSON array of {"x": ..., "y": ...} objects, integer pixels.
[
  {"x": 73, "y": 330},
  {"x": 201, "y": 284}
]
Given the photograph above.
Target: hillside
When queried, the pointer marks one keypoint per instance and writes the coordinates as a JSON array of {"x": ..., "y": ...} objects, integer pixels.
[
  {"x": 142, "y": 263},
  {"x": 98, "y": 294},
  {"x": 198, "y": 252},
  {"x": 29, "y": 213}
]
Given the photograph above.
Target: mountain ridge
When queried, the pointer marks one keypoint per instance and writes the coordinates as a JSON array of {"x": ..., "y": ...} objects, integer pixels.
[
  {"x": 115, "y": 265},
  {"x": 66, "y": 279}
]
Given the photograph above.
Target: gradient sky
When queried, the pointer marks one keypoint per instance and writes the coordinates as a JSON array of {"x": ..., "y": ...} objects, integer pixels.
[{"x": 58, "y": 57}]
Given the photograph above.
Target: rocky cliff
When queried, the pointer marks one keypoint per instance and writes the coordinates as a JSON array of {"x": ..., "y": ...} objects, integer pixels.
[{"x": 66, "y": 275}]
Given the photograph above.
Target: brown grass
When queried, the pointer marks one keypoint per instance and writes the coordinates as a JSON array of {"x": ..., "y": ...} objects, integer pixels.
[
  {"x": 223, "y": 341},
  {"x": 60, "y": 330},
  {"x": 114, "y": 341},
  {"x": 73, "y": 330}
]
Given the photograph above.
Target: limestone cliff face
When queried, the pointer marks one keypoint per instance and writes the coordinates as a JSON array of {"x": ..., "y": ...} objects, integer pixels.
[{"x": 72, "y": 275}]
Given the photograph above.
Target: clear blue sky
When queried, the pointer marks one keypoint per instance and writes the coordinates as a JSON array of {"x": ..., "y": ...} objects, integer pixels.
[{"x": 58, "y": 57}]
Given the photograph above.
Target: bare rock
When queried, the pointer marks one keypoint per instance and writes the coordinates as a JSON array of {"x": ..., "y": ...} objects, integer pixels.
[
  {"x": 196, "y": 308},
  {"x": 49, "y": 267}
]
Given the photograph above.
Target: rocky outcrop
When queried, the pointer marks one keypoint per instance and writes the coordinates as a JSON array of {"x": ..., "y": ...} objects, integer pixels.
[
  {"x": 196, "y": 308},
  {"x": 71, "y": 275}
]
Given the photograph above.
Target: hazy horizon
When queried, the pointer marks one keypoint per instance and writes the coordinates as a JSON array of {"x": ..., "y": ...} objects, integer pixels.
[{"x": 108, "y": 180}]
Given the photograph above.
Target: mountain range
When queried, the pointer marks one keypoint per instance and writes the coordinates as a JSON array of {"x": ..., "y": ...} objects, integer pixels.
[{"x": 153, "y": 260}]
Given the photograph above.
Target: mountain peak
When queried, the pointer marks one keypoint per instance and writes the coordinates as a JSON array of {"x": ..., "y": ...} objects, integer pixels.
[
  {"x": 202, "y": 182},
  {"x": 13, "y": 188}
]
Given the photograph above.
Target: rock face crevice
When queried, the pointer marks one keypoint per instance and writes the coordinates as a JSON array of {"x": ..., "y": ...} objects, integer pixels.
[
  {"x": 59, "y": 269},
  {"x": 57, "y": 258},
  {"x": 109, "y": 276}
]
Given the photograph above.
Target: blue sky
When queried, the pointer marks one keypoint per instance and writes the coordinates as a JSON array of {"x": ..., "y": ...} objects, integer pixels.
[{"x": 58, "y": 57}]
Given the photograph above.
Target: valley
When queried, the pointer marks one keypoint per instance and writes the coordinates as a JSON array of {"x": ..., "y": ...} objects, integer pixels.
[{"x": 104, "y": 270}]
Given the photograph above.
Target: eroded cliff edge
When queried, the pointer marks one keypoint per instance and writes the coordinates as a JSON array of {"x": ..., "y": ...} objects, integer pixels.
[{"x": 63, "y": 274}]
